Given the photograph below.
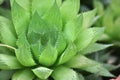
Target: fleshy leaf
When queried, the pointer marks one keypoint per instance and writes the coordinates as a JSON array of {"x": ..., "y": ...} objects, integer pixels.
[
  {"x": 93, "y": 48},
  {"x": 23, "y": 3},
  {"x": 88, "y": 18},
  {"x": 26, "y": 74},
  {"x": 84, "y": 39},
  {"x": 37, "y": 25},
  {"x": 6, "y": 74},
  {"x": 37, "y": 48},
  {"x": 23, "y": 53},
  {"x": 64, "y": 73},
  {"x": 41, "y": 7},
  {"x": 88, "y": 37},
  {"x": 73, "y": 28},
  {"x": 81, "y": 62},
  {"x": 97, "y": 33},
  {"x": 48, "y": 56},
  {"x": 9, "y": 62},
  {"x": 61, "y": 43},
  {"x": 7, "y": 32},
  {"x": 20, "y": 15},
  {"x": 69, "y": 9},
  {"x": 42, "y": 72},
  {"x": 67, "y": 54},
  {"x": 53, "y": 17}
]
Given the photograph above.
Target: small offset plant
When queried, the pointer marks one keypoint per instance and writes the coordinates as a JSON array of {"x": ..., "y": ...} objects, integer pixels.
[
  {"x": 47, "y": 40},
  {"x": 110, "y": 19}
]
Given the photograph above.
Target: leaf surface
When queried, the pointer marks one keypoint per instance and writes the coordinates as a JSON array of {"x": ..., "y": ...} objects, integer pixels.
[{"x": 42, "y": 72}]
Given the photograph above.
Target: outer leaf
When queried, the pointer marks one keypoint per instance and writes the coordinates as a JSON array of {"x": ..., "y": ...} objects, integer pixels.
[
  {"x": 69, "y": 9},
  {"x": 23, "y": 53},
  {"x": 73, "y": 28},
  {"x": 97, "y": 34},
  {"x": 9, "y": 62},
  {"x": 88, "y": 37},
  {"x": 20, "y": 15},
  {"x": 42, "y": 72},
  {"x": 64, "y": 73},
  {"x": 88, "y": 18},
  {"x": 81, "y": 62},
  {"x": 5, "y": 74},
  {"x": 84, "y": 39},
  {"x": 48, "y": 56},
  {"x": 7, "y": 32},
  {"x": 94, "y": 47},
  {"x": 68, "y": 53},
  {"x": 41, "y": 7},
  {"x": 23, "y": 75},
  {"x": 53, "y": 17}
]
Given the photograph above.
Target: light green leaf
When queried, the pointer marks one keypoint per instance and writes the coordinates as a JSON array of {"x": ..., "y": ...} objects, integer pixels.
[
  {"x": 23, "y": 53},
  {"x": 93, "y": 48},
  {"x": 61, "y": 43},
  {"x": 98, "y": 32},
  {"x": 26, "y": 74},
  {"x": 87, "y": 37},
  {"x": 23, "y": 3},
  {"x": 81, "y": 62},
  {"x": 41, "y": 7},
  {"x": 7, "y": 32},
  {"x": 53, "y": 17},
  {"x": 37, "y": 48},
  {"x": 64, "y": 73},
  {"x": 9, "y": 62},
  {"x": 6, "y": 74},
  {"x": 73, "y": 28},
  {"x": 68, "y": 53},
  {"x": 84, "y": 39},
  {"x": 88, "y": 18},
  {"x": 20, "y": 15},
  {"x": 69, "y": 9},
  {"x": 37, "y": 25},
  {"x": 48, "y": 56},
  {"x": 42, "y": 72}
]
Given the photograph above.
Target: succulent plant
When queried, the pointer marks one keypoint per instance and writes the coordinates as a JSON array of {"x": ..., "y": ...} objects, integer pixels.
[
  {"x": 110, "y": 19},
  {"x": 48, "y": 39}
]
